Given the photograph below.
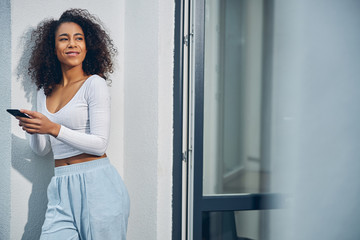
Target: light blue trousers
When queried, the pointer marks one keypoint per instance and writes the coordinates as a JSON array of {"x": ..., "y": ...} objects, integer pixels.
[{"x": 86, "y": 201}]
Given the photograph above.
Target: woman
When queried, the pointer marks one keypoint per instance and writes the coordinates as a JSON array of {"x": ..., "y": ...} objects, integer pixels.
[{"x": 71, "y": 58}]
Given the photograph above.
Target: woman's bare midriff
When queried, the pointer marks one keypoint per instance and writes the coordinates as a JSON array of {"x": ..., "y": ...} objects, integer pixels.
[{"x": 84, "y": 157}]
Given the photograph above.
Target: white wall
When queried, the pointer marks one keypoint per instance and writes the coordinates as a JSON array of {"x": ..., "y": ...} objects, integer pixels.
[
  {"x": 5, "y": 136},
  {"x": 316, "y": 118},
  {"x": 148, "y": 67},
  {"x": 141, "y": 132}
]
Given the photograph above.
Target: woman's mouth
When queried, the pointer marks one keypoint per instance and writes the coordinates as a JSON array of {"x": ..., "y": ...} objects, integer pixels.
[{"x": 72, "y": 54}]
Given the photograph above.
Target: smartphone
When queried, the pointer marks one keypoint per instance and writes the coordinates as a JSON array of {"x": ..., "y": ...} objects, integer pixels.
[{"x": 17, "y": 113}]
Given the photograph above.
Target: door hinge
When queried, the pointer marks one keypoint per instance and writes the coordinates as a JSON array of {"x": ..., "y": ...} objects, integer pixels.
[
  {"x": 184, "y": 156},
  {"x": 187, "y": 38}
]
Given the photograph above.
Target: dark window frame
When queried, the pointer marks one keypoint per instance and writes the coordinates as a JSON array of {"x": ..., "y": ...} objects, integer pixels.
[
  {"x": 177, "y": 122},
  {"x": 203, "y": 204}
]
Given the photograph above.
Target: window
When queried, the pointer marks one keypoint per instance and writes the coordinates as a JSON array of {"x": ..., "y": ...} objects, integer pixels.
[{"x": 224, "y": 92}]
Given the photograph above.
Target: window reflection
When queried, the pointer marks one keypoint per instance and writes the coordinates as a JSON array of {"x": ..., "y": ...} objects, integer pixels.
[
  {"x": 244, "y": 225},
  {"x": 232, "y": 97}
]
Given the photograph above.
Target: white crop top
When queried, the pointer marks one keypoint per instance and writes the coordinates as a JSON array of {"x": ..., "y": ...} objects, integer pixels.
[{"x": 84, "y": 120}]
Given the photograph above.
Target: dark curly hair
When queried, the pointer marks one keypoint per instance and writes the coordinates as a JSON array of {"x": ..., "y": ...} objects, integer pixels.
[{"x": 44, "y": 67}]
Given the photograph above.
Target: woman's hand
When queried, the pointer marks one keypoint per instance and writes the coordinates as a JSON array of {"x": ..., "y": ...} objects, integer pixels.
[{"x": 38, "y": 123}]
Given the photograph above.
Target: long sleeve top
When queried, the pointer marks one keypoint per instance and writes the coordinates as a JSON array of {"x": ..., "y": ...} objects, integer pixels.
[{"x": 84, "y": 120}]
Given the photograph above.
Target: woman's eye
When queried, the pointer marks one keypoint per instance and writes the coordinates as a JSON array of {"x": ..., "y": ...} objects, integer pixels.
[
  {"x": 62, "y": 39},
  {"x": 79, "y": 39}
]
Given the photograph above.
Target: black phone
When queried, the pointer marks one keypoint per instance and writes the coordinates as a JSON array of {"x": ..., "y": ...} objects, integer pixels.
[{"x": 17, "y": 113}]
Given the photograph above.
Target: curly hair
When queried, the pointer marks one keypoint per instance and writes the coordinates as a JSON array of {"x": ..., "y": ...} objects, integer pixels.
[{"x": 44, "y": 67}]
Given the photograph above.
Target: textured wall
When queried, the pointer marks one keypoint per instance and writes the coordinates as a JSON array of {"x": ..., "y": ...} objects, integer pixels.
[
  {"x": 141, "y": 111},
  {"x": 165, "y": 123},
  {"x": 5, "y": 136},
  {"x": 148, "y": 116}
]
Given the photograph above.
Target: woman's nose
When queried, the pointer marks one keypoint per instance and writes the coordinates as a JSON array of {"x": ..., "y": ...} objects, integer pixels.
[{"x": 71, "y": 43}]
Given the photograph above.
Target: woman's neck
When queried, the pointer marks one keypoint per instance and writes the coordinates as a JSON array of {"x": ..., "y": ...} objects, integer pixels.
[{"x": 72, "y": 75}]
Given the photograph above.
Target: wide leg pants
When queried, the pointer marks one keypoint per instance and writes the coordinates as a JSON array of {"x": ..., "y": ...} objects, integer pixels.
[{"x": 86, "y": 201}]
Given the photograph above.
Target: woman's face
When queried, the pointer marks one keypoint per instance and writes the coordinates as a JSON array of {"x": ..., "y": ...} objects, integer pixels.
[{"x": 70, "y": 46}]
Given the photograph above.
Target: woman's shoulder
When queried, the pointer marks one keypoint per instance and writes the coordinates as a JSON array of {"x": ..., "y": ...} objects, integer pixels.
[
  {"x": 96, "y": 80},
  {"x": 95, "y": 85}
]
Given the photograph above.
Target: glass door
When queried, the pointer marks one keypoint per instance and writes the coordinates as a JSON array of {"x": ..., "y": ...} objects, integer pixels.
[
  {"x": 229, "y": 174},
  {"x": 232, "y": 97}
]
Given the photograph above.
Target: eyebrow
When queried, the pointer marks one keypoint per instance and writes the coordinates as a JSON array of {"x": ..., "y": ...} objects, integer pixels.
[{"x": 66, "y": 34}]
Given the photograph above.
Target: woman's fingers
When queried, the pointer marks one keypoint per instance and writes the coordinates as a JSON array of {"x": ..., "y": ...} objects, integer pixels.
[
  {"x": 28, "y": 122},
  {"x": 30, "y": 130},
  {"x": 29, "y": 125},
  {"x": 32, "y": 114}
]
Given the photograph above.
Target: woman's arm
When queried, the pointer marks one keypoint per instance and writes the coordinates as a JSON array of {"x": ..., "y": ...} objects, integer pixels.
[
  {"x": 40, "y": 144},
  {"x": 39, "y": 126}
]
